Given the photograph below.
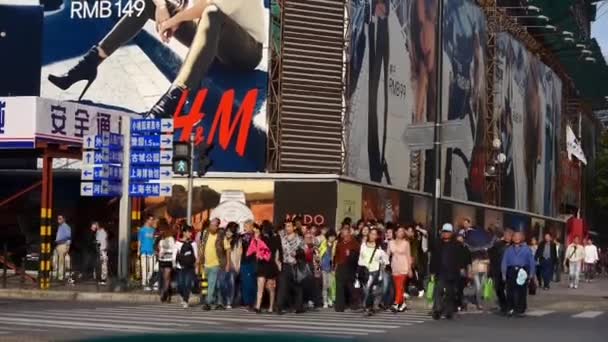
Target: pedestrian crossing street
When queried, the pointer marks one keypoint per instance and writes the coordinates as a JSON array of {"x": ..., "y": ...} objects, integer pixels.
[{"x": 155, "y": 319}]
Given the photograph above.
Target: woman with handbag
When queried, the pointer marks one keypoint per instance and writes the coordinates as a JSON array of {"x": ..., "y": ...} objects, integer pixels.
[
  {"x": 266, "y": 253},
  {"x": 371, "y": 260}
]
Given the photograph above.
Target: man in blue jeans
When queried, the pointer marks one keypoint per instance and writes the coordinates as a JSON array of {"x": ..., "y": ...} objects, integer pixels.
[
  {"x": 546, "y": 254},
  {"x": 213, "y": 258},
  {"x": 247, "y": 272},
  {"x": 185, "y": 257}
]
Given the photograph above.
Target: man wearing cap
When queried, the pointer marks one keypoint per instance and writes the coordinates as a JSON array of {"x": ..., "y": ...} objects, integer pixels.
[
  {"x": 447, "y": 266},
  {"x": 518, "y": 267}
]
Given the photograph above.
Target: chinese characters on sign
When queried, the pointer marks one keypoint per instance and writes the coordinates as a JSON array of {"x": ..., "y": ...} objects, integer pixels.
[
  {"x": 151, "y": 149},
  {"x": 102, "y": 171}
]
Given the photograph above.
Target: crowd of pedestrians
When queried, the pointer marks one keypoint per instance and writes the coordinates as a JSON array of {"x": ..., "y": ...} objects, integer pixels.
[{"x": 367, "y": 266}]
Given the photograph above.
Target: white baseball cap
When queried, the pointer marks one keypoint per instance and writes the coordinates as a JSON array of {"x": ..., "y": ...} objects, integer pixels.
[{"x": 447, "y": 227}]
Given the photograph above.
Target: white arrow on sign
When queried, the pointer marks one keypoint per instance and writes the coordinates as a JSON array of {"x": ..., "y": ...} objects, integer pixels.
[
  {"x": 88, "y": 157},
  {"x": 88, "y": 172},
  {"x": 166, "y": 141},
  {"x": 89, "y": 141},
  {"x": 166, "y": 157},
  {"x": 166, "y": 125},
  {"x": 86, "y": 189},
  {"x": 166, "y": 172},
  {"x": 166, "y": 189}
]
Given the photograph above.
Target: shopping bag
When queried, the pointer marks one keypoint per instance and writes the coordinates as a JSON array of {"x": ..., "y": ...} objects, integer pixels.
[
  {"x": 488, "y": 290},
  {"x": 430, "y": 290},
  {"x": 332, "y": 287}
]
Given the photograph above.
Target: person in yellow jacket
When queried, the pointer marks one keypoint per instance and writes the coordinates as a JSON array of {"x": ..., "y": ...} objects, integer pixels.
[{"x": 327, "y": 251}]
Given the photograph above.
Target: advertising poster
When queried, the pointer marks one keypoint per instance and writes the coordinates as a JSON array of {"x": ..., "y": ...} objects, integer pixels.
[
  {"x": 227, "y": 199},
  {"x": 381, "y": 205},
  {"x": 422, "y": 207},
  {"x": 314, "y": 201},
  {"x": 349, "y": 202},
  {"x": 465, "y": 87},
  {"x": 392, "y": 92},
  {"x": 460, "y": 212},
  {"x": 537, "y": 228},
  {"x": 115, "y": 54},
  {"x": 494, "y": 220},
  {"x": 529, "y": 106}
]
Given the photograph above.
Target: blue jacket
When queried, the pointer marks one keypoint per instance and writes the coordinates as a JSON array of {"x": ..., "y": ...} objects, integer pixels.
[{"x": 520, "y": 256}]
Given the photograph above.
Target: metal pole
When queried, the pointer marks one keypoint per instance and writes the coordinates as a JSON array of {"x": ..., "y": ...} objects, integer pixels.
[
  {"x": 437, "y": 128},
  {"x": 190, "y": 181},
  {"x": 124, "y": 221},
  {"x": 4, "y": 267}
]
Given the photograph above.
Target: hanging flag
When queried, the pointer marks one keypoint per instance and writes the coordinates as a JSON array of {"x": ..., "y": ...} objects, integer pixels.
[{"x": 573, "y": 146}]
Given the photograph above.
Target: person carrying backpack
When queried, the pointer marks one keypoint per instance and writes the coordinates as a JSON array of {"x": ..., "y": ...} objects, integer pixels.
[{"x": 185, "y": 257}]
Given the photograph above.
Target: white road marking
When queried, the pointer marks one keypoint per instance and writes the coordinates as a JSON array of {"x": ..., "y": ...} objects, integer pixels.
[
  {"x": 308, "y": 331},
  {"x": 348, "y": 330},
  {"x": 539, "y": 313},
  {"x": 37, "y": 321},
  {"x": 588, "y": 314}
]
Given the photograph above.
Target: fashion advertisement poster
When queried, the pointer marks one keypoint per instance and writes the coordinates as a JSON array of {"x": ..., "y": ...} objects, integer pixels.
[
  {"x": 349, "y": 202},
  {"x": 381, "y": 204},
  {"x": 314, "y": 201},
  {"x": 421, "y": 210},
  {"x": 461, "y": 212},
  {"x": 494, "y": 220},
  {"x": 464, "y": 88},
  {"x": 227, "y": 199},
  {"x": 537, "y": 228},
  {"x": 130, "y": 56},
  {"x": 392, "y": 68},
  {"x": 529, "y": 106}
]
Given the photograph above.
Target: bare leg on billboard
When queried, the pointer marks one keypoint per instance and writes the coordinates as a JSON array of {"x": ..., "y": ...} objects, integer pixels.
[{"x": 383, "y": 48}]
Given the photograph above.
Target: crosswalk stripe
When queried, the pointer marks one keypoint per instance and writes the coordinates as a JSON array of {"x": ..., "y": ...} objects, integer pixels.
[
  {"x": 588, "y": 314},
  {"x": 39, "y": 321},
  {"x": 214, "y": 316},
  {"x": 127, "y": 316},
  {"x": 539, "y": 313},
  {"x": 72, "y": 327},
  {"x": 349, "y": 330},
  {"x": 336, "y": 315},
  {"x": 311, "y": 320},
  {"x": 316, "y": 332},
  {"x": 99, "y": 318},
  {"x": 26, "y": 329}
]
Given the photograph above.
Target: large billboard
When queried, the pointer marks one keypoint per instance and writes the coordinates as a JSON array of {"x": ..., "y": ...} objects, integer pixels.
[
  {"x": 391, "y": 91},
  {"x": 313, "y": 201},
  {"x": 529, "y": 106},
  {"x": 465, "y": 86},
  {"x": 131, "y": 56}
]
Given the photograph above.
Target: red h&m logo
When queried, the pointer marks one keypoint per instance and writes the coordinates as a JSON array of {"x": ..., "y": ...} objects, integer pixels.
[{"x": 224, "y": 123}]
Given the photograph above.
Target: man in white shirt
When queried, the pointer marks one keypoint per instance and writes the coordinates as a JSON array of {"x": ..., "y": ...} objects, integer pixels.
[
  {"x": 591, "y": 258},
  {"x": 102, "y": 241}
]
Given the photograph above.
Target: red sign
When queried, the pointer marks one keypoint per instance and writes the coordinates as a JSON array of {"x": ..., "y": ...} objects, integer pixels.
[{"x": 224, "y": 123}]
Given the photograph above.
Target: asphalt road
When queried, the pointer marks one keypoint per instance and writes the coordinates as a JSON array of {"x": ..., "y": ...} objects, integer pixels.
[{"x": 22, "y": 320}]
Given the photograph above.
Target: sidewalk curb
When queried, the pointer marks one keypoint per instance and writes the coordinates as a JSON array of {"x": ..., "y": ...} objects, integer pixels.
[{"x": 122, "y": 297}]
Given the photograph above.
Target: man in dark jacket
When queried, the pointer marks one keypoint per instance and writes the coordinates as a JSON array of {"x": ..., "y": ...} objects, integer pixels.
[
  {"x": 496, "y": 253},
  {"x": 447, "y": 267},
  {"x": 546, "y": 254}
]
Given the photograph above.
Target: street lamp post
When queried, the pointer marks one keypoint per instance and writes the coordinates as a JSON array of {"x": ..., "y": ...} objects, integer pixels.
[{"x": 437, "y": 128}]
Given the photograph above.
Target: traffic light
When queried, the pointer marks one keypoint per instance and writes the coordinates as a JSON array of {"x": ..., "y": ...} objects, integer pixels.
[
  {"x": 204, "y": 162},
  {"x": 181, "y": 158}
]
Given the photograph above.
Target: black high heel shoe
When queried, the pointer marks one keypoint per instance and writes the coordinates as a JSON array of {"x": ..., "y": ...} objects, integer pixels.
[
  {"x": 85, "y": 69},
  {"x": 167, "y": 105}
]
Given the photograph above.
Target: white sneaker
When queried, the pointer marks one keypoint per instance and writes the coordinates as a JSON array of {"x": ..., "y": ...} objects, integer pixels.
[
  {"x": 228, "y": 307},
  {"x": 575, "y": 286},
  {"x": 184, "y": 305},
  {"x": 571, "y": 286},
  {"x": 325, "y": 306},
  {"x": 147, "y": 289},
  {"x": 421, "y": 294}
]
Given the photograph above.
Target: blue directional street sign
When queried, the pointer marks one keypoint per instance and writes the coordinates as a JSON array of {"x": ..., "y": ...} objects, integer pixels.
[
  {"x": 151, "y": 126},
  {"x": 151, "y": 158},
  {"x": 103, "y": 156},
  {"x": 101, "y": 172},
  {"x": 144, "y": 173},
  {"x": 111, "y": 141},
  {"x": 151, "y": 142},
  {"x": 102, "y": 188},
  {"x": 150, "y": 189}
]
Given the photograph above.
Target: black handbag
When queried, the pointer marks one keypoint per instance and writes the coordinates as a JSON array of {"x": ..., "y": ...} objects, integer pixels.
[
  {"x": 363, "y": 272},
  {"x": 301, "y": 272}
]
